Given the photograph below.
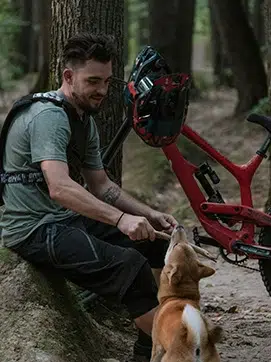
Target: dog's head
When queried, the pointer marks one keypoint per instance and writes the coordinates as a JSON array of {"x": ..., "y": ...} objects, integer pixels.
[{"x": 182, "y": 267}]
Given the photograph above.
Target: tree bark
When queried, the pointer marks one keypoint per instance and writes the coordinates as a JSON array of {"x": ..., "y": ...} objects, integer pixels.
[
  {"x": 70, "y": 17},
  {"x": 24, "y": 44},
  {"x": 42, "y": 83},
  {"x": 171, "y": 31},
  {"x": 163, "y": 29},
  {"x": 258, "y": 21},
  {"x": 219, "y": 58},
  {"x": 184, "y": 34},
  {"x": 243, "y": 53}
]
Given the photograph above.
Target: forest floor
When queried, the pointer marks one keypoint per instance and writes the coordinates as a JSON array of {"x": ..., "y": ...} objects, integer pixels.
[{"x": 234, "y": 297}]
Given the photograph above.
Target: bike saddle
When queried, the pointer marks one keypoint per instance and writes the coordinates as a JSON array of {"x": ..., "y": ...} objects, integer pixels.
[{"x": 264, "y": 121}]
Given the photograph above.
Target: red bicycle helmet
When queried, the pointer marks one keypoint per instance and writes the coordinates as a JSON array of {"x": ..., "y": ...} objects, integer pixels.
[{"x": 157, "y": 100}]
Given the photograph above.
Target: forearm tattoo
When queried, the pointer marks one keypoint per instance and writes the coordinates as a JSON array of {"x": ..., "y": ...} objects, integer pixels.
[{"x": 112, "y": 195}]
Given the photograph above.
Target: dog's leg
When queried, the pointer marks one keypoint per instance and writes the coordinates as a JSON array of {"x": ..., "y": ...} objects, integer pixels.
[{"x": 157, "y": 353}]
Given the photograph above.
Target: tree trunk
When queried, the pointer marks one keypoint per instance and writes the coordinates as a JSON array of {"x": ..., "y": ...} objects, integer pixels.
[
  {"x": 163, "y": 36},
  {"x": 24, "y": 44},
  {"x": 34, "y": 56},
  {"x": 184, "y": 34},
  {"x": 258, "y": 21},
  {"x": 243, "y": 52},
  {"x": 42, "y": 83},
  {"x": 70, "y": 17},
  {"x": 220, "y": 63},
  {"x": 171, "y": 31},
  {"x": 246, "y": 7},
  {"x": 126, "y": 34}
]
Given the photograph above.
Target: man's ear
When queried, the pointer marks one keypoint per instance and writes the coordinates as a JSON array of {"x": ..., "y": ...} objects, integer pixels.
[
  {"x": 67, "y": 75},
  {"x": 173, "y": 274},
  {"x": 205, "y": 270}
]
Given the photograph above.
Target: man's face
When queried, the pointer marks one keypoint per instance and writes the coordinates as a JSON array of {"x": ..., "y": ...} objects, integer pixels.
[{"x": 89, "y": 84}]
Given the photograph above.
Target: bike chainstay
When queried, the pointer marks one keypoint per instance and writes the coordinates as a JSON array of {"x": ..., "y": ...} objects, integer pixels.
[{"x": 199, "y": 239}]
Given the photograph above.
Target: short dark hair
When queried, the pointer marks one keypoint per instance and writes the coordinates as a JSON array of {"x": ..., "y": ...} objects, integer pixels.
[{"x": 85, "y": 46}]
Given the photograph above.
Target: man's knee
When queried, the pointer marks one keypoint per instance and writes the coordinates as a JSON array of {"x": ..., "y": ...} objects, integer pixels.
[{"x": 141, "y": 296}]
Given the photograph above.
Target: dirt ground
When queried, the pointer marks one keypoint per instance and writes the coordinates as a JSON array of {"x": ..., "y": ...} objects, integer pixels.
[
  {"x": 236, "y": 299},
  {"x": 233, "y": 298}
]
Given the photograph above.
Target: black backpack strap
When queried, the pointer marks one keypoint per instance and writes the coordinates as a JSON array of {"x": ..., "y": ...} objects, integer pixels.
[{"x": 19, "y": 105}]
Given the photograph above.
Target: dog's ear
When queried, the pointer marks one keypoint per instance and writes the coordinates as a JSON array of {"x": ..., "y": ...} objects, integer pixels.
[
  {"x": 173, "y": 274},
  {"x": 205, "y": 270}
]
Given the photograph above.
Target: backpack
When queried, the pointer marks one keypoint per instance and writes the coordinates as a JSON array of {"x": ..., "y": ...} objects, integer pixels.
[{"x": 75, "y": 150}]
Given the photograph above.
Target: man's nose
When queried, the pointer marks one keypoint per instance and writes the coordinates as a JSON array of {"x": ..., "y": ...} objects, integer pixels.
[{"x": 103, "y": 90}]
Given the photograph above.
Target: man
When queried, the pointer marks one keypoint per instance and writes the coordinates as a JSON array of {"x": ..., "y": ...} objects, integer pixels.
[{"x": 90, "y": 237}]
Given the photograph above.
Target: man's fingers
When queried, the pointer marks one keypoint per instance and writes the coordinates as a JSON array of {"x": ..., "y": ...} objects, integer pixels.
[
  {"x": 143, "y": 234},
  {"x": 151, "y": 233}
]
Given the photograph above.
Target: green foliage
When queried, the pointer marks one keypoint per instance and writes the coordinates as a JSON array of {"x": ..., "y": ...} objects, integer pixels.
[
  {"x": 10, "y": 26},
  {"x": 263, "y": 107}
]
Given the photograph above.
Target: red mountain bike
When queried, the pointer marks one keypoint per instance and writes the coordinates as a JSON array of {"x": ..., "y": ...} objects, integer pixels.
[{"x": 156, "y": 108}]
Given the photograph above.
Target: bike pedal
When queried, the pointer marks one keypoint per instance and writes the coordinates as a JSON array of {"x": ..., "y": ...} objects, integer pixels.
[{"x": 206, "y": 240}]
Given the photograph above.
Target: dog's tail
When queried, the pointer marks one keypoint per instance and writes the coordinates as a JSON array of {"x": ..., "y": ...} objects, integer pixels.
[{"x": 196, "y": 330}]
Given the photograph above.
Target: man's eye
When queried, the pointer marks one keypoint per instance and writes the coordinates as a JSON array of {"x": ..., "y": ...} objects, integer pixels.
[{"x": 93, "y": 82}]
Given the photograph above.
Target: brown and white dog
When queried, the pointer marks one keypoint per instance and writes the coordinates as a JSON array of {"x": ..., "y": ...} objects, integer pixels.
[{"x": 180, "y": 332}]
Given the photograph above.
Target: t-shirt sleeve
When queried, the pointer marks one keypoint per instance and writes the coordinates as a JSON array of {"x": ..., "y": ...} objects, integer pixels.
[
  {"x": 93, "y": 158},
  {"x": 49, "y": 133}
]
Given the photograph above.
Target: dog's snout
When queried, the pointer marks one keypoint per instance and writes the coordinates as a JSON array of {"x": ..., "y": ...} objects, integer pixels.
[{"x": 179, "y": 227}]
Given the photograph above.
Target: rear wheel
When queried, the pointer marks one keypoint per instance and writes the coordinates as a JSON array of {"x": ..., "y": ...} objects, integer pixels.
[{"x": 265, "y": 264}]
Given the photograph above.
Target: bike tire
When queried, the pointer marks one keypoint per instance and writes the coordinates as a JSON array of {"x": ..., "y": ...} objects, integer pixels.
[{"x": 265, "y": 264}]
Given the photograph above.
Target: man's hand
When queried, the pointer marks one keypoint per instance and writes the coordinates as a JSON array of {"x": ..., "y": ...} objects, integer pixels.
[
  {"x": 161, "y": 221},
  {"x": 136, "y": 227}
]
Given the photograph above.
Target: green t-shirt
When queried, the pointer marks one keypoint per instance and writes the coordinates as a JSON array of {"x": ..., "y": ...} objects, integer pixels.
[{"x": 42, "y": 132}]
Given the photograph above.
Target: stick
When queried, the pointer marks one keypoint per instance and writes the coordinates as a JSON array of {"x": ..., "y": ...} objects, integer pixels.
[{"x": 198, "y": 249}]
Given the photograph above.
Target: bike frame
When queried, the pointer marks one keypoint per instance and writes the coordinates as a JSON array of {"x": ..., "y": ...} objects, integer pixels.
[
  {"x": 185, "y": 172},
  {"x": 208, "y": 212}
]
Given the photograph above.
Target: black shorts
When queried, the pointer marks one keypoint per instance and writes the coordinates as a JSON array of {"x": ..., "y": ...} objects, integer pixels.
[{"x": 98, "y": 257}]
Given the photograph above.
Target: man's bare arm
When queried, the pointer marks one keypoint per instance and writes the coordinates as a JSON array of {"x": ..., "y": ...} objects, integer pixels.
[
  {"x": 72, "y": 196},
  {"x": 103, "y": 188}
]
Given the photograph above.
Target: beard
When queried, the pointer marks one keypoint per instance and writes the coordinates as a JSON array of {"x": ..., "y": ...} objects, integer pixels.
[{"x": 85, "y": 106}]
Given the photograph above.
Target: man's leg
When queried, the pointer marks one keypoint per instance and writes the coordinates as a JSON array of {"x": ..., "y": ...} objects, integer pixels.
[
  {"x": 107, "y": 269},
  {"x": 155, "y": 253}
]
